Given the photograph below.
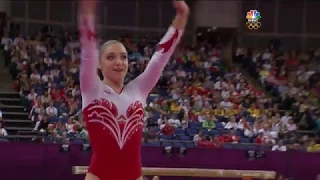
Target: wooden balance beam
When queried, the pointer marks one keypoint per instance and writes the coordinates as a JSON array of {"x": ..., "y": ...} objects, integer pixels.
[{"x": 193, "y": 172}]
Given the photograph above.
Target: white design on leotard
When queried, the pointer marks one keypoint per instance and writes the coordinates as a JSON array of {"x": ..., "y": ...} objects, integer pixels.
[{"x": 119, "y": 127}]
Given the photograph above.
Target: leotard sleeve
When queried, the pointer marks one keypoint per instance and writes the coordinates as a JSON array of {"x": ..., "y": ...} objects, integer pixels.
[
  {"x": 149, "y": 78},
  {"x": 89, "y": 80}
]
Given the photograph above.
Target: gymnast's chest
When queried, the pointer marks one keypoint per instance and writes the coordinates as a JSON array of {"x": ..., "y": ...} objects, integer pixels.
[
  {"x": 116, "y": 107},
  {"x": 119, "y": 117}
]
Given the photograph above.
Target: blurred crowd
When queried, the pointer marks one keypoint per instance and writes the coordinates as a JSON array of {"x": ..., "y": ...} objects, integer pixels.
[
  {"x": 199, "y": 100},
  {"x": 292, "y": 78}
]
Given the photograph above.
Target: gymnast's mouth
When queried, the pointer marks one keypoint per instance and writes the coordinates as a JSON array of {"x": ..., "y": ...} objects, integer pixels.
[{"x": 118, "y": 70}]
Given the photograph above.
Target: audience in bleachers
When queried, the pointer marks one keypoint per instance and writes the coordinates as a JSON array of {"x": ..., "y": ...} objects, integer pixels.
[
  {"x": 197, "y": 101},
  {"x": 292, "y": 78}
]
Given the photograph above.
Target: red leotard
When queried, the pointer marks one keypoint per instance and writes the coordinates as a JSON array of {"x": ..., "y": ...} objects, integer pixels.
[{"x": 115, "y": 121}]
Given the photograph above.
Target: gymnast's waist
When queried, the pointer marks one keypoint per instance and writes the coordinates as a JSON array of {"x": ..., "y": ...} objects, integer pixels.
[{"x": 115, "y": 167}]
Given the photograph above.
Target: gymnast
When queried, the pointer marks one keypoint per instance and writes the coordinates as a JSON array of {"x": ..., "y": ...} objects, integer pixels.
[{"x": 113, "y": 111}]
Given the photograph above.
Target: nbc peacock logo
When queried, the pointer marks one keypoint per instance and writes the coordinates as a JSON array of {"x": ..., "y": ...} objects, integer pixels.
[{"x": 253, "y": 17}]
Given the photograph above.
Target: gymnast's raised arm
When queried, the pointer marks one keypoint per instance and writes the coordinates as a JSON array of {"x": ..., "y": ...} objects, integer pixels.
[
  {"x": 89, "y": 79},
  {"x": 149, "y": 78}
]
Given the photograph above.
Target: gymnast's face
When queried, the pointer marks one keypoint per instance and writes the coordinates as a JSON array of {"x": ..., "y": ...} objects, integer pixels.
[{"x": 114, "y": 62}]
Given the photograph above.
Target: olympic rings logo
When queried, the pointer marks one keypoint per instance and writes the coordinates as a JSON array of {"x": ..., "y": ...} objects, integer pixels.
[{"x": 254, "y": 25}]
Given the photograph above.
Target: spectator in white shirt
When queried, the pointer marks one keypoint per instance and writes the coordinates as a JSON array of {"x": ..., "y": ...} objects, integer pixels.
[
  {"x": 70, "y": 125},
  {"x": 32, "y": 95},
  {"x": 197, "y": 137},
  {"x": 46, "y": 76},
  {"x": 279, "y": 146},
  {"x": 55, "y": 72},
  {"x": 18, "y": 40},
  {"x": 232, "y": 124},
  {"x": 47, "y": 60},
  {"x": 3, "y": 132},
  {"x": 226, "y": 104},
  {"x": 185, "y": 122},
  {"x": 41, "y": 48},
  {"x": 35, "y": 76},
  {"x": 243, "y": 123},
  {"x": 161, "y": 121},
  {"x": 76, "y": 91},
  {"x": 173, "y": 121},
  {"x": 285, "y": 119},
  {"x": 268, "y": 135},
  {"x": 218, "y": 84},
  {"x": 225, "y": 93},
  {"x": 5, "y": 41},
  {"x": 51, "y": 110},
  {"x": 291, "y": 126},
  {"x": 266, "y": 55},
  {"x": 265, "y": 130},
  {"x": 281, "y": 127}
]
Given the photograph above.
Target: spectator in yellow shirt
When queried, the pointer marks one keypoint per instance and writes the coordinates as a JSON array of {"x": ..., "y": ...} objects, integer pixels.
[
  {"x": 254, "y": 111},
  {"x": 219, "y": 111},
  {"x": 165, "y": 108},
  {"x": 175, "y": 107},
  {"x": 231, "y": 111},
  {"x": 313, "y": 146},
  {"x": 206, "y": 109},
  {"x": 195, "y": 58},
  {"x": 197, "y": 109}
]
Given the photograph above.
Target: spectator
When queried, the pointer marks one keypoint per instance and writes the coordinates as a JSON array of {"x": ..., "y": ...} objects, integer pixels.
[
  {"x": 232, "y": 124},
  {"x": 173, "y": 121},
  {"x": 84, "y": 133},
  {"x": 279, "y": 146},
  {"x": 185, "y": 122},
  {"x": 7, "y": 42},
  {"x": 32, "y": 95},
  {"x": 3, "y": 132},
  {"x": 208, "y": 123},
  {"x": 151, "y": 135},
  {"x": 291, "y": 126},
  {"x": 161, "y": 121},
  {"x": 313, "y": 146},
  {"x": 42, "y": 128},
  {"x": 70, "y": 125},
  {"x": 243, "y": 123},
  {"x": 232, "y": 137},
  {"x": 198, "y": 137},
  {"x": 167, "y": 129},
  {"x": 63, "y": 110},
  {"x": 51, "y": 110}
]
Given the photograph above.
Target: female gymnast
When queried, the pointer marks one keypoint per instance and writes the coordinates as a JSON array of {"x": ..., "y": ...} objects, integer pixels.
[{"x": 114, "y": 111}]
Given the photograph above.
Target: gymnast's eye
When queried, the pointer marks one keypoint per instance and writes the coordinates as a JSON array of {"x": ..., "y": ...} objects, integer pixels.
[
  {"x": 110, "y": 57},
  {"x": 124, "y": 57}
]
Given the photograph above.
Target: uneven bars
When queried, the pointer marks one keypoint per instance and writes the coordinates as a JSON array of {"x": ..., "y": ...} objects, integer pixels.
[{"x": 192, "y": 172}]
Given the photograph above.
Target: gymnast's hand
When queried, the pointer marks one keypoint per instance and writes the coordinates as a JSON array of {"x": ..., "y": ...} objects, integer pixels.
[
  {"x": 88, "y": 7},
  {"x": 182, "y": 15},
  {"x": 181, "y": 7}
]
